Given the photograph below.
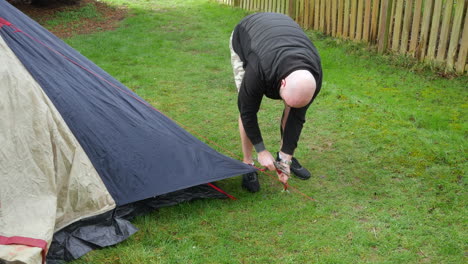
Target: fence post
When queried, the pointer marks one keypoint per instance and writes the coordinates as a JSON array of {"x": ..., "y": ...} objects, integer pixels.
[{"x": 384, "y": 28}]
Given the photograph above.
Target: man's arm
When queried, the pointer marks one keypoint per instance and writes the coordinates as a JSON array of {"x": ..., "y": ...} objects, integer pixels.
[
  {"x": 293, "y": 129},
  {"x": 249, "y": 100}
]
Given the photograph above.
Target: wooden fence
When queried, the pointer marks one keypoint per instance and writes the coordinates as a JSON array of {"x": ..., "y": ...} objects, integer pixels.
[{"x": 434, "y": 31}]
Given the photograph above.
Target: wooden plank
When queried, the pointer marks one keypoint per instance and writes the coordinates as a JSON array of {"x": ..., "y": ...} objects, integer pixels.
[
  {"x": 299, "y": 18},
  {"x": 353, "y": 17},
  {"x": 292, "y": 9},
  {"x": 328, "y": 17},
  {"x": 305, "y": 23},
  {"x": 434, "y": 33},
  {"x": 346, "y": 19},
  {"x": 367, "y": 21},
  {"x": 444, "y": 31},
  {"x": 375, "y": 21},
  {"x": 339, "y": 14},
  {"x": 325, "y": 25},
  {"x": 392, "y": 22},
  {"x": 384, "y": 25},
  {"x": 311, "y": 13},
  {"x": 415, "y": 29},
  {"x": 298, "y": 6},
  {"x": 455, "y": 35},
  {"x": 322, "y": 15},
  {"x": 463, "y": 52},
  {"x": 405, "y": 32},
  {"x": 397, "y": 25},
  {"x": 317, "y": 15},
  {"x": 334, "y": 8},
  {"x": 426, "y": 21},
  {"x": 303, "y": 4},
  {"x": 360, "y": 19}
]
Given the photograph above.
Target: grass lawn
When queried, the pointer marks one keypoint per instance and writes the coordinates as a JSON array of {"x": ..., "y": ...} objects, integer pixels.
[{"x": 387, "y": 148}]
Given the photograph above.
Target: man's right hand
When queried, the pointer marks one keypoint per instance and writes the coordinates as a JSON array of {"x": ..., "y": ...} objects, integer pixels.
[{"x": 266, "y": 160}]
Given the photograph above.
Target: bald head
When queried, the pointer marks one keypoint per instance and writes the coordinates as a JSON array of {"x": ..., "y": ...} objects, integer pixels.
[{"x": 298, "y": 88}]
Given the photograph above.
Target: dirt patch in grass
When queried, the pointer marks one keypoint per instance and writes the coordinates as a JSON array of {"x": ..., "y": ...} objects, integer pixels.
[{"x": 108, "y": 17}]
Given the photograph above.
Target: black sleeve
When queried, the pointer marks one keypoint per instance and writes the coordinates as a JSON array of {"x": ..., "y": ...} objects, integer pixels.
[
  {"x": 249, "y": 100},
  {"x": 293, "y": 128}
]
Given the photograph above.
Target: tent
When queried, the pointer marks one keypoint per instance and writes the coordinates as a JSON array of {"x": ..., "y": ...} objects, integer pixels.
[{"x": 81, "y": 154}]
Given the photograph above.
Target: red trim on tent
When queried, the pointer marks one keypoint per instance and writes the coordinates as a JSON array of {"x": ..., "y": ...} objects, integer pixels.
[
  {"x": 27, "y": 241},
  {"x": 221, "y": 191},
  {"x": 4, "y": 22}
]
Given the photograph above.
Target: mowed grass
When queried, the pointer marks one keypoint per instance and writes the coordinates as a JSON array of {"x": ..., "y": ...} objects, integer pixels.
[{"x": 386, "y": 147}]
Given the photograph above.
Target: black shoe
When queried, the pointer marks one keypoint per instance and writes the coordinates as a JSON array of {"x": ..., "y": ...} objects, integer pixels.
[
  {"x": 250, "y": 182},
  {"x": 301, "y": 172}
]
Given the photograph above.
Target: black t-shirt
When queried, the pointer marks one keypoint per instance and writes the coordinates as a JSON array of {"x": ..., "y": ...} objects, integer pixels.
[{"x": 271, "y": 46}]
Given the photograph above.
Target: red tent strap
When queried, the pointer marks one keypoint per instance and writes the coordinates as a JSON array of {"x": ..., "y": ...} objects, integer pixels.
[
  {"x": 221, "y": 191},
  {"x": 27, "y": 241}
]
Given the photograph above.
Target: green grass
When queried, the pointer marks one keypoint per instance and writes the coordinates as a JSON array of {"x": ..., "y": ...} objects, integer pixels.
[{"x": 386, "y": 146}]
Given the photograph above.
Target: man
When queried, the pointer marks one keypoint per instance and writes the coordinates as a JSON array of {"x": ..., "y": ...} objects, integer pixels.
[{"x": 272, "y": 56}]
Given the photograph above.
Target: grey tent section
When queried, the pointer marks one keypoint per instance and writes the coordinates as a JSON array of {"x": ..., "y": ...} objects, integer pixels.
[{"x": 81, "y": 154}]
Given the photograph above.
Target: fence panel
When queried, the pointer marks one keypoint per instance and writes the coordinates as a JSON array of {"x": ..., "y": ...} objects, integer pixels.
[{"x": 429, "y": 30}]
